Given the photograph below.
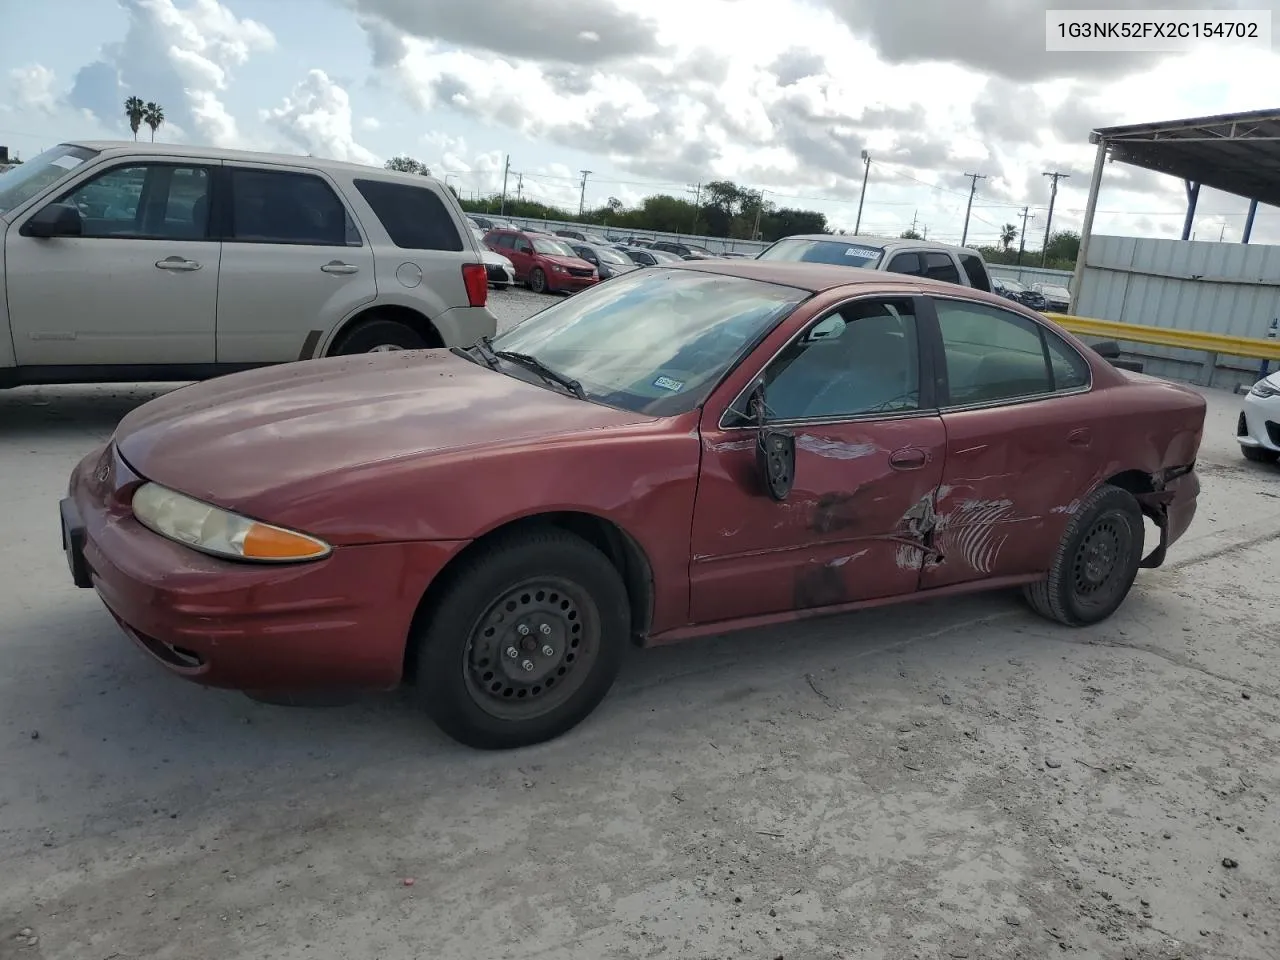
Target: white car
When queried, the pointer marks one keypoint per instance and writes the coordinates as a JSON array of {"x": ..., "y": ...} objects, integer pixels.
[
  {"x": 1258, "y": 429},
  {"x": 500, "y": 270},
  {"x": 132, "y": 261}
]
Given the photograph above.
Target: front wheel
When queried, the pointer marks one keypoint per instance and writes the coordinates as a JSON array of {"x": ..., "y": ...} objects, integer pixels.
[
  {"x": 1259, "y": 454},
  {"x": 525, "y": 641},
  {"x": 538, "y": 281},
  {"x": 1096, "y": 562}
]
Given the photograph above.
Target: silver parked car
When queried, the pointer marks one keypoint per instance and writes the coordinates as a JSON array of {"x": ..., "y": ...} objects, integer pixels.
[
  {"x": 132, "y": 261},
  {"x": 919, "y": 258}
]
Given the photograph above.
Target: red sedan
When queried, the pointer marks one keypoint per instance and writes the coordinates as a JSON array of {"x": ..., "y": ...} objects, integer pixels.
[
  {"x": 681, "y": 451},
  {"x": 546, "y": 263}
]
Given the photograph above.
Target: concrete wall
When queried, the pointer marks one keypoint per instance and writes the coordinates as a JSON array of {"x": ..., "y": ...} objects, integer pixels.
[
  {"x": 1029, "y": 275},
  {"x": 1226, "y": 288}
]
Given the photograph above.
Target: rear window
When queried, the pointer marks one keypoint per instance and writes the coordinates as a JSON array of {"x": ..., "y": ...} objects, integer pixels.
[
  {"x": 975, "y": 271},
  {"x": 414, "y": 217},
  {"x": 847, "y": 254}
]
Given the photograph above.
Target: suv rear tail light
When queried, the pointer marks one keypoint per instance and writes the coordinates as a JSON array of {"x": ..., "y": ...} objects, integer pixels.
[{"x": 476, "y": 280}]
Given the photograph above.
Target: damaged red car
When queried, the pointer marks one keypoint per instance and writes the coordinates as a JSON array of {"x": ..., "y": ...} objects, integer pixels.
[{"x": 680, "y": 451}]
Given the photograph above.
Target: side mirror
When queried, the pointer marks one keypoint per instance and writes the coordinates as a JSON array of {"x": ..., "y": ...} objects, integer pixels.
[
  {"x": 55, "y": 220},
  {"x": 775, "y": 452},
  {"x": 828, "y": 329}
]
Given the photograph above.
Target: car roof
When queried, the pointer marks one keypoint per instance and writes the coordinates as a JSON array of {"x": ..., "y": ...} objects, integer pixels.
[
  {"x": 872, "y": 240},
  {"x": 247, "y": 156}
]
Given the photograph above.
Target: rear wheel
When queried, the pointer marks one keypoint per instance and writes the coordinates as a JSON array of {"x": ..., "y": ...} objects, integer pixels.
[
  {"x": 379, "y": 336},
  {"x": 1259, "y": 454},
  {"x": 538, "y": 280},
  {"x": 1096, "y": 563},
  {"x": 525, "y": 642}
]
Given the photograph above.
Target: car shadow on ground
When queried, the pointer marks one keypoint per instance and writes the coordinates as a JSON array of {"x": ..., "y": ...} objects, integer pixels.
[{"x": 39, "y": 413}]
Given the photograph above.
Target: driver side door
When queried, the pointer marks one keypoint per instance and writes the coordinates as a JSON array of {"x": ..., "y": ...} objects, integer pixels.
[
  {"x": 521, "y": 256},
  {"x": 853, "y": 391}
]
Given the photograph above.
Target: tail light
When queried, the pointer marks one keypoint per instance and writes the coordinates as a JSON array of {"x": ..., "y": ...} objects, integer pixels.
[{"x": 476, "y": 280}]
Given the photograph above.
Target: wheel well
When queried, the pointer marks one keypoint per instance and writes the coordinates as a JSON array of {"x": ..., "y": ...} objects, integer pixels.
[
  {"x": 615, "y": 543},
  {"x": 1135, "y": 481},
  {"x": 407, "y": 315}
]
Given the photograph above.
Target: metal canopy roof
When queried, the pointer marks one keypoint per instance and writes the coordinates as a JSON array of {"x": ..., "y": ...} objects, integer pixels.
[{"x": 1234, "y": 152}]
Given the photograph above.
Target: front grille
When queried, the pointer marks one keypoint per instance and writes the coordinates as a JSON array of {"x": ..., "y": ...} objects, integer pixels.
[
  {"x": 580, "y": 271},
  {"x": 1273, "y": 432},
  {"x": 1242, "y": 428}
]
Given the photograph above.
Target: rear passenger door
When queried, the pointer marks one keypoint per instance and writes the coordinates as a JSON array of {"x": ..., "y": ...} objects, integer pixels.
[
  {"x": 293, "y": 262},
  {"x": 1020, "y": 430}
]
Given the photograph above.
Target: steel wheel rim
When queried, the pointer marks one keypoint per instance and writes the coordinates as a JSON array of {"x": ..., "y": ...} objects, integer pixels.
[
  {"x": 1097, "y": 572},
  {"x": 536, "y": 616},
  {"x": 539, "y": 281},
  {"x": 385, "y": 348}
]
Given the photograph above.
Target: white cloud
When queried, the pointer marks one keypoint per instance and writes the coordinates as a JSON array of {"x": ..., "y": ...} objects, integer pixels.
[
  {"x": 370, "y": 123},
  {"x": 32, "y": 88},
  {"x": 316, "y": 117}
]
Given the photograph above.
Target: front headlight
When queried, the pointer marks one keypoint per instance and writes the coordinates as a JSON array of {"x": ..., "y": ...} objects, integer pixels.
[
  {"x": 1263, "y": 390},
  {"x": 212, "y": 530},
  {"x": 558, "y": 268}
]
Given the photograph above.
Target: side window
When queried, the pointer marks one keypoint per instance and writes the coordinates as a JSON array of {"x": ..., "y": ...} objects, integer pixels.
[
  {"x": 940, "y": 266},
  {"x": 414, "y": 217},
  {"x": 975, "y": 271},
  {"x": 991, "y": 354},
  {"x": 270, "y": 206},
  {"x": 860, "y": 360},
  {"x": 1070, "y": 370},
  {"x": 522, "y": 245},
  {"x": 145, "y": 201},
  {"x": 504, "y": 240},
  {"x": 906, "y": 263}
]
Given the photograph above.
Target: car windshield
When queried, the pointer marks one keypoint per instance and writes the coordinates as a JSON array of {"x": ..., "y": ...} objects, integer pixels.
[
  {"x": 25, "y": 180},
  {"x": 848, "y": 254},
  {"x": 611, "y": 256},
  {"x": 663, "y": 256},
  {"x": 654, "y": 341},
  {"x": 551, "y": 247}
]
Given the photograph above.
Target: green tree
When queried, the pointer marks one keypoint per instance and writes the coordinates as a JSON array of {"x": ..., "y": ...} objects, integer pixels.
[
  {"x": 153, "y": 117},
  {"x": 406, "y": 164},
  {"x": 1063, "y": 245},
  {"x": 135, "y": 110},
  {"x": 1008, "y": 234},
  {"x": 910, "y": 234}
]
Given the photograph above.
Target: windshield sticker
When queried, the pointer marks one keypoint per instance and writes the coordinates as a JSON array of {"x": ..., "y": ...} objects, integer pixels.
[
  {"x": 67, "y": 163},
  {"x": 862, "y": 252},
  {"x": 666, "y": 383}
]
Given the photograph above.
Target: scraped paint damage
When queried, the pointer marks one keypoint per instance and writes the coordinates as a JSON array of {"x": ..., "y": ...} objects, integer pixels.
[
  {"x": 970, "y": 532},
  {"x": 835, "y": 449}
]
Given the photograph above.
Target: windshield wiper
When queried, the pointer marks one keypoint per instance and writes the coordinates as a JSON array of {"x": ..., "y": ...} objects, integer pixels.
[
  {"x": 536, "y": 365},
  {"x": 483, "y": 349}
]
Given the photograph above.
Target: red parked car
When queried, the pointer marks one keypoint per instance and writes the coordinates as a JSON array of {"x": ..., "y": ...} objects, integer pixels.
[
  {"x": 545, "y": 263},
  {"x": 685, "y": 450}
]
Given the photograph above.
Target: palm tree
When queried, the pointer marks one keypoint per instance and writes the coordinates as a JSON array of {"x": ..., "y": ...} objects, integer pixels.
[
  {"x": 1008, "y": 234},
  {"x": 135, "y": 110},
  {"x": 153, "y": 117}
]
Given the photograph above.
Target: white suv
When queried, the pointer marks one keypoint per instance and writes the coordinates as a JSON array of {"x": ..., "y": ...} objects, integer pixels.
[{"x": 129, "y": 261}]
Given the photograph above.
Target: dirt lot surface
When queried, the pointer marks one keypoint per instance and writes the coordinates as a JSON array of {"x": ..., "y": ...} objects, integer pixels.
[{"x": 955, "y": 779}]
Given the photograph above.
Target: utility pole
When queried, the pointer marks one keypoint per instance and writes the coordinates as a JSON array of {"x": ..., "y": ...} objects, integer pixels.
[
  {"x": 755, "y": 231},
  {"x": 1048, "y": 220},
  {"x": 866, "y": 171},
  {"x": 973, "y": 188},
  {"x": 1022, "y": 237},
  {"x": 697, "y": 205},
  {"x": 582, "y": 196},
  {"x": 914, "y": 215},
  {"x": 1223, "y": 232},
  {"x": 519, "y": 187},
  {"x": 505, "y": 171}
]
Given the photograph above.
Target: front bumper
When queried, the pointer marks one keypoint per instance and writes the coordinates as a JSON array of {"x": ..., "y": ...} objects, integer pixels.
[
  {"x": 500, "y": 274},
  {"x": 1259, "y": 423},
  {"x": 566, "y": 281},
  {"x": 336, "y": 624}
]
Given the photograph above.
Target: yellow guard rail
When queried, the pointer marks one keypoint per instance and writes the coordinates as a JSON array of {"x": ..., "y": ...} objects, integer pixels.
[{"x": 1251, "y": 347}]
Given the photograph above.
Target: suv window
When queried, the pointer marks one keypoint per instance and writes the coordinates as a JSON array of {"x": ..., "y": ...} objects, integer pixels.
[
  {"x": 860, "y": 360},
  {"x": 275, "y": 206},
  {"x": 415, "y": 217},
  {"x": 906, "y": 263},
  {"x": 975, "y": 271},
  {"x": 504, "y": 240},
  {"x": 153, "y": 200},
  {"x": 940, "y": 266},
  {"x": 993, "y": 354}
]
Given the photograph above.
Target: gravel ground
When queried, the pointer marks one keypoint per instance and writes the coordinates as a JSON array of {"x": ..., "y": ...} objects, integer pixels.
[{"x": 954, "y": 779}]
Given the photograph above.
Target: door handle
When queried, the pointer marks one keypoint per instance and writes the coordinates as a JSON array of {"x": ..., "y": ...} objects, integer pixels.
[
  {"x": 1080, "y": 437},
  {"x": 337, "y": 266},
  {"x": 177, "y": 263},
  {"x": 908, "y": 458}
]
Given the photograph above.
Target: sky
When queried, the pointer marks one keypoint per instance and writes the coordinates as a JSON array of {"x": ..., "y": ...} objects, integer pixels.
[{"x": 777, "y": 95}]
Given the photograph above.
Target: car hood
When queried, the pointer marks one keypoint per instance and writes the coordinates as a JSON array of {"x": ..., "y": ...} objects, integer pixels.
[
  {"x": 488, "y": 256},
  {"x": 576, "y": 262},
  {"x": 237, "y": 440}
]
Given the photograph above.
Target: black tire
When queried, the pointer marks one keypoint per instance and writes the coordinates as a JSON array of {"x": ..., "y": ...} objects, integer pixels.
[
  {"x": 374, "y": 335},
  {"x": 1096, "y": 563},
  {"x": 1259, "y": 454},
  {"x": 472, "y": 688},
  {"x": 538, "y": 280}
]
